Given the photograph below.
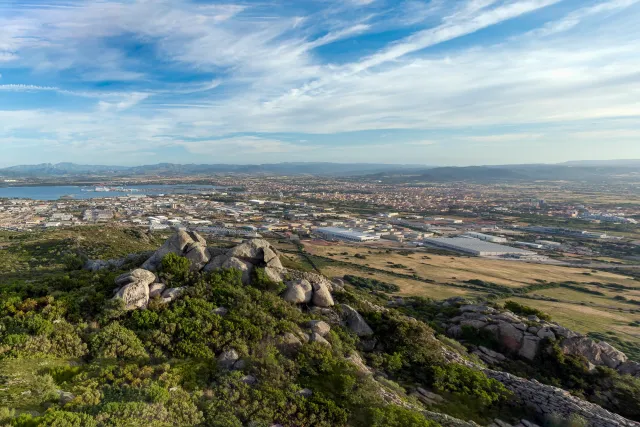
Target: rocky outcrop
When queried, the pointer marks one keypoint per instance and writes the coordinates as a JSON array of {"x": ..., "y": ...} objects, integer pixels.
[
  {"x": 545, "y": 399},
  {"x": 184, "y": 243},
  {"x": 298, "y": 292},
  {"x": 320, "y": 327},
  {"x": 134, "y": 288},
  {"x": 354, "y": 321},
  {"x": 251, "y": 254},
  {"x": 321, "y": 295},
  {"x": 523, "y": 336},
  {"x": 303, "y": 291},
  {"x": 302, "y": 287},
  {"x": 596, "y": 353}
]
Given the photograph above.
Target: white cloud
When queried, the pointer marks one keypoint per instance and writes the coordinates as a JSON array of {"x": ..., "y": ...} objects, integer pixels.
[
  {"x": 129, "y": 101},
  {"x": 262, "y": 72}
]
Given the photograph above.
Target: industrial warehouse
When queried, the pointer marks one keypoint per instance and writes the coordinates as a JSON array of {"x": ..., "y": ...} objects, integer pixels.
[
  {"x": 335, "y": 233},
  {"x": 478, "y": 247}
]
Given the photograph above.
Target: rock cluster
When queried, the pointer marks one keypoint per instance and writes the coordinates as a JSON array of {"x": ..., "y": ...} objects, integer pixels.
[
  {"x": 184, "y": 243},
  {"x": 246, "y": 257},
  {"x": 545, "y": 399},
  {"x": 523, "y": 336},
  {"x": 303, "y": 291},
  {"x": 138, "y": 286}
]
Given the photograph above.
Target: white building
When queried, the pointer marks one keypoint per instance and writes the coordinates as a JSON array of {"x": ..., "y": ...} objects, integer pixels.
[
  {"x": 335, "y": 233},
  {"x": 486, "y": 237},
  {"x": 477, "y": 247}
]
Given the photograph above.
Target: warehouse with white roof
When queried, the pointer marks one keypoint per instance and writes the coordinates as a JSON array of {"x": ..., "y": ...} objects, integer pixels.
[
  {"x": 477, "y": 247},
  {"x": 335, "y": 233}
]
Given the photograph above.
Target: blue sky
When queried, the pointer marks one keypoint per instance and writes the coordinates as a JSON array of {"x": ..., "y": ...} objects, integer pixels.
[{"x": 440, "y": 82}]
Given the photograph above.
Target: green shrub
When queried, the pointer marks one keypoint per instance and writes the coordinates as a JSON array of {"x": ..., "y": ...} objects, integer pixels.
[
  {"x": 397, "y": 416},
  {"x": 524, "y": 310},
  {"x": 175, "y": 268},
  {"x": 116, "y": 341},
  {"x": 464, "y": 382},
  {"x": 261, "y": 281},
  {"x": 371, "y": 284}
]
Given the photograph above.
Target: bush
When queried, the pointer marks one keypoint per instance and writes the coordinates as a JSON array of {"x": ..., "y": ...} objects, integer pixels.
[
  {"x": 175, "y": 268},
  {"x": 524, "y": 310},
  {"x": 116, "y": 341},
  {"x": 261, "y": 281},
  {"x": 74, "y": 262},
  {"x": 464, "y": 382},
  {"x": 397, "y": 416},
  {"x": 371, "y": 284}
]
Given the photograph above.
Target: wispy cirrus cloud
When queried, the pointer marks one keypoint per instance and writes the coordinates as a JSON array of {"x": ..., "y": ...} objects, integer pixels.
[{"x": 191, "y": 70}]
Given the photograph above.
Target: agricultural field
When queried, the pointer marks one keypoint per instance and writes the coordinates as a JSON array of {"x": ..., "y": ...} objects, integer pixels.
[
  {"x": 589, "y": 301},
  {"x": 456, "y": 268}
]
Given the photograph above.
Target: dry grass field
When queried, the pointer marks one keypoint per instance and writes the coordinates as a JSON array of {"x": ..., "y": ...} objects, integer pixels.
[
  {"x": 408, "y": 287},
  {"x": 578, "y": 310},
  {"x": 586, "y": 319},
  {"x": 447, "y": 269}
]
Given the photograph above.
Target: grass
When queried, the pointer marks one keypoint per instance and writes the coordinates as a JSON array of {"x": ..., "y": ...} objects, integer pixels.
[
  {"x": 578, "y": 297},
  {"x": 446, "y": 269},
  {"x": 408, "y": 287},
  {"x": 585, "y": 319},
  {"x": 44, "y": 251},
  {"x": 19, "y": 382},
  {"x": 441, "y": 277}
]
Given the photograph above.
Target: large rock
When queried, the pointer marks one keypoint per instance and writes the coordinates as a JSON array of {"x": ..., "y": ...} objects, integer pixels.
[
  {"x": 357, "y": 361},
  {"x": 198, "y": 254},
  {"x": 354, "y": 321},
  {"x": 258, "y": 252},
  {"x": 274, "y": 274},
  {"x": 298, "y": 292},
  {"x": 530, "y": 346},
  {"x": 321, "y": 295},
  {"x": 597, "y": 353},
  {"x": 227, "y": 359},
  {"x": 177, "y": 244},
  {"x": 135, "y": 295},
  {"x": 289, "y": 344},
  {"x": 320, "y": 327},
  {"x": 171, "y": 294},
  {"x": 137, "y": 275},
  {"x": 546, "y": 332},
  {"x": 238, "y": 264},
  {"x": 156, "y": 289},
  {"x": 134, "y": 288},
  {"x": 510, "y": 336},
  {"x": 630, "y": 368},
  {"x": 215, "y": 262},
  {"x": 316, "y": 337}
]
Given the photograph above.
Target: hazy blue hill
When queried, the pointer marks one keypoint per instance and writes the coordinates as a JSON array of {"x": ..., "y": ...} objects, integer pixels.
[{"x": 172, "y": 169}]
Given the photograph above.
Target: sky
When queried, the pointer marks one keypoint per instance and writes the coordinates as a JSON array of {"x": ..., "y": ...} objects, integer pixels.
[{"x": 439, "y": 82}]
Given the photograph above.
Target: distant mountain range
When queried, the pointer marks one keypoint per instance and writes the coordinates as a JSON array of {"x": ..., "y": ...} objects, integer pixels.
[
  {"x": 172, "y": 169},
  {"x": 571, "y": 171}
]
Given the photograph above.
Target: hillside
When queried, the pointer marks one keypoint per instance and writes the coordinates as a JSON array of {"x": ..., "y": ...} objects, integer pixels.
[{"x": 113, "y": 327}]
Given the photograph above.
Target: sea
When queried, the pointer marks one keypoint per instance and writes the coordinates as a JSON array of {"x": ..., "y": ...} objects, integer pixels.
[{"x": 72, "y": 192}]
